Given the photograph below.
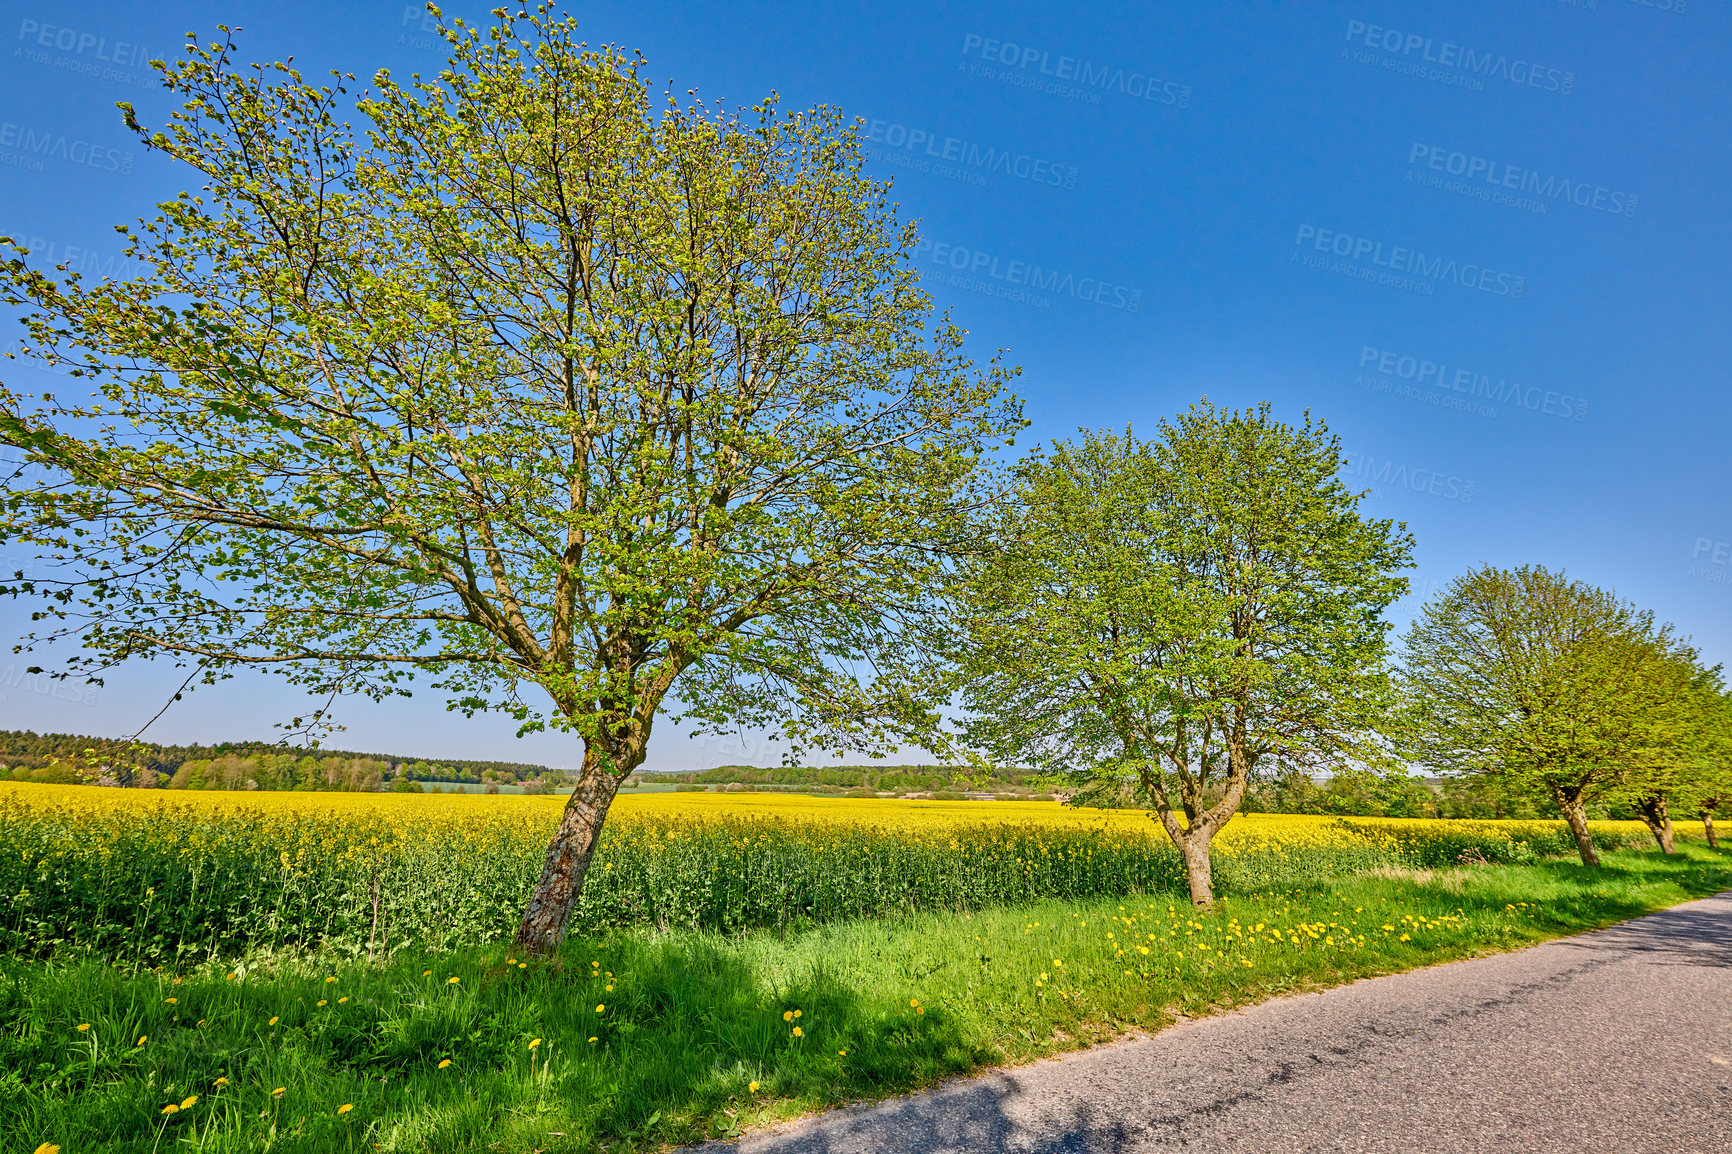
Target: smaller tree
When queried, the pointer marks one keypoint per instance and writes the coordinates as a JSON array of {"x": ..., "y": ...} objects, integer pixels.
[
  {"x": 1181, "y": 612},
  {"x": 1672, "y": 760},
  {"x": 1539, "y": 682}
]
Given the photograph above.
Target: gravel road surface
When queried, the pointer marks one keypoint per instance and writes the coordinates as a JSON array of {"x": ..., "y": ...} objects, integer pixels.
[{"x": 1619, "y": 1040}]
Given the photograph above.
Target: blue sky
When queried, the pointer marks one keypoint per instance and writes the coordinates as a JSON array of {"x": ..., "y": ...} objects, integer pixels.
[{"x": 1486, "y": 242}]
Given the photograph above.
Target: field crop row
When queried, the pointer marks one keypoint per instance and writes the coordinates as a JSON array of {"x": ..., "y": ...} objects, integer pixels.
[{"x": 143, "y": 877}]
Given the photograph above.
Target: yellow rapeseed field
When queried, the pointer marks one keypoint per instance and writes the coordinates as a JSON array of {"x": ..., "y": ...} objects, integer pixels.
[{"x": 163, "y": 874}]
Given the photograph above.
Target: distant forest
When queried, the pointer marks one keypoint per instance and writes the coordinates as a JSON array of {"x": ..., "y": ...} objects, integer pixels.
[{"x": 71, "y": 758}]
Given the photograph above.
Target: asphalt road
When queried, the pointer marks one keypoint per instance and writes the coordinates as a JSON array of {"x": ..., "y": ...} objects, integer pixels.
[{"x": 1619, "y": 1040}]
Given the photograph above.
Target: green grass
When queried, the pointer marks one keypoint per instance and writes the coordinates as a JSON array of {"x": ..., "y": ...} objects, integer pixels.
[{"x": 694, "y": 1019}]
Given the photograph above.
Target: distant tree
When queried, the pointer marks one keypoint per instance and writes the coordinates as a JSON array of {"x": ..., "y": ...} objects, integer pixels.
[
  {"x": 1537, "y": 681},
  {"x": 1672, "y": 759},
  {"x": 1182, "y": 612},
  {"x": 579, "y": 406}
]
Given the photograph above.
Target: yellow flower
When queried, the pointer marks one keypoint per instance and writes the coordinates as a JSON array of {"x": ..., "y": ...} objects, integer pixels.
[
  {"x": 799, "y": 1033},
  {"x": 189, "y": 1103},
  {"x": 278, "y": 1092},
  {"x": 844, "y": 1053},
  {"x": 272, "y": 1022},
  {"x": 83, "y": 1026},
  {"x": 328, "y": 981},
  {"x": 592, "y": 1039},
  {"x": 171, "y": 1108},
  {"x": 600, "y": 1008},
  {"x": 321, "y": 1001},
  {"x": 171, "y": 1001},
  {"x": 444, "y": 1063},
  {"x": 787, "y": 1015},
  {"x": 340, "y": 1001},
  {"x": 229, "y": 977},
  {"x": 47, "y": 1148},
  {"x": 534, "y": 1042},
  {"x": 200, "y": 1022},
  {"x": 426, "y": 973},
  {"x": 220, "y": 1082},
  {"x": 523, "y": 965},
  {"x": 919, "y": 1009},
  {"x": 451, "y": 981},
  {"x": 142, "y": 1039},
  {"x": 753, "y": 1088},
  {"x": 797, "y": 1013},
  {"x": 345, "y": 1107}
]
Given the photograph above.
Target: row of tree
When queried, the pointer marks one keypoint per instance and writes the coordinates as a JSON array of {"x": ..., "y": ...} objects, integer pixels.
[
  {"x": 591, "y": 407},
  {"x": 1188, "y": 614}
]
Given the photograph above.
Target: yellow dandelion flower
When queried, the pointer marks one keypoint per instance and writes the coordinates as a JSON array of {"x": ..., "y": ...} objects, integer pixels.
[
  {"x": 83, "y": 1027},
  {"x": 919, "y": 1009},
  {"x": 599, "y": 1008},
  {"x": 446, "y": 1062},
  {"x": 451, "y": 981},
  {"x": 321, "y": 1001},
  {"x": 272, "y": 1022},
  {"x": 787, "y": 1015},
  {"x": 340, "y": 1001},
  {"x": 534, "y": 1042},
  {"x": 345, "y": 1107},
  {"x": 190, "y": 1102},
  {"x": 592, "y": 1039},
  {"x": 171, "y": 1001},
  {"x": 47, "y": 1148},
  {"x": 171, "y": 1108},
  {"x": 279, "y": 1092},
  {"x": 142, "y": 1039},
  {"x": 799, "y": 1033},
  {"x": 753, "y": 1088},
  {"x": 220, "y": 1083},
  {"x": 426, "y": 973},
  {"x": 844, "y": 1053}
]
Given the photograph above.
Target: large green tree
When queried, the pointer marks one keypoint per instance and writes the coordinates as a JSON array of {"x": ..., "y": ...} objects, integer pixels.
[
  {"x": 1539, "y": 683},
  {"x": 585, "y": 405},
  {"x": 1186, "y": 610}
]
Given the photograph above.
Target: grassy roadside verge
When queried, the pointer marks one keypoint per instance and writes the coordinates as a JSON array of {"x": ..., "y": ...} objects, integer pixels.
[{"x": 635, "y": 1040}]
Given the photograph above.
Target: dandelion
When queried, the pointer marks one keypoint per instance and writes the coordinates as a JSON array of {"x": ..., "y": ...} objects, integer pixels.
[
  {"x": 592, "y": 1039},
  {"x": 47, "y": 1148},
  {"x": 345, "y": 1108},
  {"x": 787, "y": 1015},
  {"x": 199, "y": 1023},
  {"x": 142, "y": 1039},
  {"x": 340, "y": 1001},
  {"x": 444, "y": 1063},
  {"x": 426, "y": 973},
  {"x": 272, "y": 1022},
  {"x": 600, "y": 1008},
  {"x": 171, "y": 1001},
  {"x": 799, "y": 1033},
  {"x": 753, "y": 1088},
  {"x": 321, "y": 1001},
  {"x": 534, "y": 1042},
  {"x": 190, "y": 1102},
  {"x": 451, "y": 981},
  {"x": 220, "y": 1083},
  {"x": 171, "y": 1108},
  {"x": 279, "y": 1092},
  {"x": 328, "y": 981},
  {"x": 229, "y": 977},
  {"x": 83, "y": 1027}
]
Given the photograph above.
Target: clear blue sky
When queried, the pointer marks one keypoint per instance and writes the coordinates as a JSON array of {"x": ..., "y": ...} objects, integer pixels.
[{"x": 1487, "y": 242}]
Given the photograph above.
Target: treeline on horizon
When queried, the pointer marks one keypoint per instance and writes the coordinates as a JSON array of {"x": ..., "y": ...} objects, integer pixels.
[{"x": 70, "y": 759}]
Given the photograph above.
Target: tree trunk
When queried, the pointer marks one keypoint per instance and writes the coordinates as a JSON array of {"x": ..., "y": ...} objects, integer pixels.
[
  {"x": 1576, "y": 814},
  {"x": 550, "y": 906},
  {"x": 1199, "y": 873},
  {"x": 1708, "y": 828},
  {"x": 1659, "y": 822}
]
